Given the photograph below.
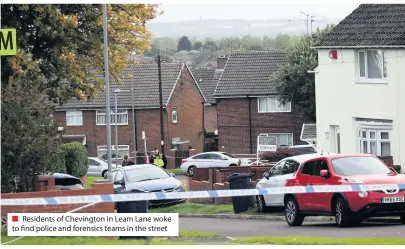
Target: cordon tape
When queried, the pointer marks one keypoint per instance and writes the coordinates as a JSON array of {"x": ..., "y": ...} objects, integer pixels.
[{"x": 128, "y": 196}]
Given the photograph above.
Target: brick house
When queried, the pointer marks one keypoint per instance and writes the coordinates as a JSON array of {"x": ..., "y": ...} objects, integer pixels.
[
  {"x": 247, "y": 103},
  {"x": 183, "y": 112},
  {"x": 207, "y": 78}
]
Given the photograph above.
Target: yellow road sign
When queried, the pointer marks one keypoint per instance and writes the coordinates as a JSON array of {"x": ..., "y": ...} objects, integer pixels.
[{"x": 8, "y": 42}]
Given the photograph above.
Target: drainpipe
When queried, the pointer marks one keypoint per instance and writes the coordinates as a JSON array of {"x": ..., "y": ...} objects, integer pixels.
[
  {"x": 203, "y": 124},
  {"x": 250, "y": 126}
]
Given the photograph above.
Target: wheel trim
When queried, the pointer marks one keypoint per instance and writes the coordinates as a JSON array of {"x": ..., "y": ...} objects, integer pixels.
[
  {"x": 290, "y": 211},
  {"x": 191, "y": 170},
  {"x": 338, "y": 215}
]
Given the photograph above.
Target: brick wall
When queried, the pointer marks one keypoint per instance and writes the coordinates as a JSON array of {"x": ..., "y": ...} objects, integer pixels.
[
  {"x": 200, "y": 186},
  {"x": 97, "y": 189},
  {"x": 186, "y": 98},
  {"x": 210, "y": 116},
  {"x": 233, "y": 124}
]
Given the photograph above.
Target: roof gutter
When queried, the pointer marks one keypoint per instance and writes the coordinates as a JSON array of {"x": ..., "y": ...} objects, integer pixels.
[{"x": 362, "y": 46}]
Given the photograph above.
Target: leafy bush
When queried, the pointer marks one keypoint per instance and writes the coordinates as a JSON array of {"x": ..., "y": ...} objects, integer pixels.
[
  {"x": 76, "y": 158},
  {"x": 56, "y": 162},
  {"x": 278, "y": 155}
]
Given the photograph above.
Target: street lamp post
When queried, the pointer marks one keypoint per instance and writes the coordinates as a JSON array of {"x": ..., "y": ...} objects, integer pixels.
[{"x": 116, "y": 91}]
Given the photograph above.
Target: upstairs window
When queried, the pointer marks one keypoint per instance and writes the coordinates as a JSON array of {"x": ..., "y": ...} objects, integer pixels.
[
  {"x": 372, "y": 65},
  {"x": 122, "y": 117},
  {"x": 272, "y": 104},
  {"x": 174, "y": 115},
  {"x": 74, "y": 118}
]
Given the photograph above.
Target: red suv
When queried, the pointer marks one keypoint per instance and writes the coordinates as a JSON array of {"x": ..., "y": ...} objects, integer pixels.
[{"x": 349, "y": 208}]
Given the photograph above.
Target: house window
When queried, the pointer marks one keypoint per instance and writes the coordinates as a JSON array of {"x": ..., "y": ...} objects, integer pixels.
[
  {"x": 174, "y": 115},
  {"x": 281, "y": 138},
  {"x": 272, "y": 104},
  {"x": 376, "y": 142},
  {"x": 122, "y": 117},
  {"x": 122, "y": 151},
  {"x": 74, "y": 118},
  {"x": 372, "y": 64}
]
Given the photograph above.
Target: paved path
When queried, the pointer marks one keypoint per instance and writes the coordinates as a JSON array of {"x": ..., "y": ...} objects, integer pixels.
[{"x": 250, "y": 228}]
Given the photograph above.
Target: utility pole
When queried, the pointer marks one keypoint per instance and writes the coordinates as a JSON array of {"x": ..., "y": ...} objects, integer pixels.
[
  {"x": 134, "y": 121},
  {"x": 107, "y": 91},
  {"x": 162, "y": 136}
]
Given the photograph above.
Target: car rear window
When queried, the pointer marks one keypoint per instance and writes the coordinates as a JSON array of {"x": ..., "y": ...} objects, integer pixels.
[{"x": 351, "y": 166}]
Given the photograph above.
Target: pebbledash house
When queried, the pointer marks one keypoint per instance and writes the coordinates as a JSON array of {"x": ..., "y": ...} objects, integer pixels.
[
  {"x": 247, "y": 103},
  {"x": 183, "y": 104},
  {"x": 360, "y": 84}
]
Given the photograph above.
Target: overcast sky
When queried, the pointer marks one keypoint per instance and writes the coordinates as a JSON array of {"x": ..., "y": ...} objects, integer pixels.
[{"x": 185, "y": 12}]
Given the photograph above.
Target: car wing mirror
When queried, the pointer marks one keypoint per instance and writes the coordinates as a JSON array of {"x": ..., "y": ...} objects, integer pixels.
[
  {"x": 173, "y": 174},
  {"x": 324, "y": 173},
  {"x": 120, "y": 182},
  {"x": 266, "y": 175}
]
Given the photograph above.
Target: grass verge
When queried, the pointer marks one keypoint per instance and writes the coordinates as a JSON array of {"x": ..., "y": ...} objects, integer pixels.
[
  {"x": 176, "y": 171},
  {"x": 194, "y": 208},
  {"x": 317, "y": 241},
  {"x": 91, "y": 179},
  {"x": 104, "y": 241}
]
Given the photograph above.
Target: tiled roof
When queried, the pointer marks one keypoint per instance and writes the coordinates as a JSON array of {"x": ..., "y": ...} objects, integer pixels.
[
  {"x": 248, "y": 73},
  {"x": 308, "y": 132},
  {"x": 207, "y": 79},
  {"x": 369, "y": 25},
  {"x": 146, "y": 87}
]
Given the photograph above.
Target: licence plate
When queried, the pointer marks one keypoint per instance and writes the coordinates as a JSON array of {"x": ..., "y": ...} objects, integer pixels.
[{"x": 394, "y": 199}]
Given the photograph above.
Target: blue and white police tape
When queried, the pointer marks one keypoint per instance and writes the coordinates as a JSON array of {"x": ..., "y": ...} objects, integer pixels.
[{"x": 128, "y": 196}]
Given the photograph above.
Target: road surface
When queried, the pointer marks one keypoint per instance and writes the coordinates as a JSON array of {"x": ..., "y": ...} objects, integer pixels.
[{"x": 238, "y": 228}]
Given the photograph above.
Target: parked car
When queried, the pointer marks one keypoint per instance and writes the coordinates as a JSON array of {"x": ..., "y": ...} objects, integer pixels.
[
  {"x": 348, "y": 208},
  {"x": 147, "y": 178},
  {"x": 209, "y": 160},
  {"x": 67, "y": 182},
  {"x": 277, "y": 177},
  {"x": 302, "y": 149},
  {"x": 98, "y": 167}
]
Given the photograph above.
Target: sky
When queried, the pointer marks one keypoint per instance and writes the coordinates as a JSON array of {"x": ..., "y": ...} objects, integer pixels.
[{"x": 185, "y": 12}]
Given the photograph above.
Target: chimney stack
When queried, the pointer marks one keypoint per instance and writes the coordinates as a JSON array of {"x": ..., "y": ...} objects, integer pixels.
[{"x": 221, "y": 61}]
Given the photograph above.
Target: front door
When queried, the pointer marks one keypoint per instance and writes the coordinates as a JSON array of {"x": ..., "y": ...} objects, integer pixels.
[{"x": 335, "y": 139}]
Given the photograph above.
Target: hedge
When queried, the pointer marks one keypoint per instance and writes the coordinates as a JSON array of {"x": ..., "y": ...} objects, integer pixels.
[
  {"x": 278, "y": 155},
  {"x": 57, "y": 161},
  {"x": 76, "y": 159}
]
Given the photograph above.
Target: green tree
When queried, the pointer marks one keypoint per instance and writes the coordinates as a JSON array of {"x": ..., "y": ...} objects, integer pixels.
[
  {"x": 197, "y": 45},
  {"x": 296, "y": 85},
  {"x": 184, "y": 44},
  {"x": 28, "y": 136},
  {"x": 68, "y": 41}
]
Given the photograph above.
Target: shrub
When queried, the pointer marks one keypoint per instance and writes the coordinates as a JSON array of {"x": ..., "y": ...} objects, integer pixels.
[
  {"x": 278, "y": 155},
  {"x": 56, "y": 162},
  {"x": 76, "y": 158}
]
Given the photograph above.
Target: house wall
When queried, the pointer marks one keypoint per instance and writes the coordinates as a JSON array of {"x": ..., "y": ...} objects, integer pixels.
[
  {"x": 186, "y": 98},
  {"x": 340, "y": 99},
  {"x": 233, "y": 124},
  {"x": 210, "y": 118},
  {"x": 188, "y": 101}
]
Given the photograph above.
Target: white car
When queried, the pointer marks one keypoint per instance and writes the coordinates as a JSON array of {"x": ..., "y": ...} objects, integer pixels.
[
  {"x": 209, "y": 160},
  {"x": 98, "y": 167},
  {"x": 277, "y": 177}
]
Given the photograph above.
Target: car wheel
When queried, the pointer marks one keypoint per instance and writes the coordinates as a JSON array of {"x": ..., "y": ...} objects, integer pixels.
[
  {"x": 104, "y": 172},
  {"x": 403, "y": 219},
  {"x": 292, "y": 212},
  {"x": 190, "y": 170},
  {"x": 342, "y": 213}
]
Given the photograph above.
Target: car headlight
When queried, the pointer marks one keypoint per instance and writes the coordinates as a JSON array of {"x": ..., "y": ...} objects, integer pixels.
[
  {"x": 179, "y": 187},
  {"x": 363, "y": 194}
]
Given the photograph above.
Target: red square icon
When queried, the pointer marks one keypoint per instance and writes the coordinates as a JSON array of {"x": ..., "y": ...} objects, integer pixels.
[{"x": 14, "y": 218}]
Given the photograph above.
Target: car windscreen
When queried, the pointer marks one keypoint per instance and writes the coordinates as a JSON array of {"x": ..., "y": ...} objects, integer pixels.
[
  {"x": 229, "y": 155},
  {"x": 351, "y": 166},
  {"x": 67, "y": 181},
  {"x": 146, "y": 174}
]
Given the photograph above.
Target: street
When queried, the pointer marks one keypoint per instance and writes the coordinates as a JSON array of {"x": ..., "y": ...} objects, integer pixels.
[{"x": 238, "y": 228}]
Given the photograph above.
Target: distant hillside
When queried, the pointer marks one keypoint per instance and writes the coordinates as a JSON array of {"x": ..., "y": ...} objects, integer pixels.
[{"x": 238, "y": 27}]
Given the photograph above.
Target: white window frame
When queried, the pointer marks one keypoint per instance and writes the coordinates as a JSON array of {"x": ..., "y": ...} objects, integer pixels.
[
  {"x": 112, "y": 116},
  {"x": 78, "y": 117},
  {"x": 365, "y": 78},
  {"x": 377, "y": 129},
  {"x": 174, "y": 113},
  {"x": 103, "y": 149},
  {"x": 277, "y": 134},
  {"x": 288, "y": 105}
]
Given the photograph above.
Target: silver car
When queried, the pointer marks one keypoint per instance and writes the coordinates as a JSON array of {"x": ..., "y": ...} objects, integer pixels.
[{"x": 98, "y": 167}]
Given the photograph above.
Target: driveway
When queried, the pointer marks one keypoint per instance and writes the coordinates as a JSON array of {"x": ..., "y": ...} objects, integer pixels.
[{"x": 236, "y": 228}]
